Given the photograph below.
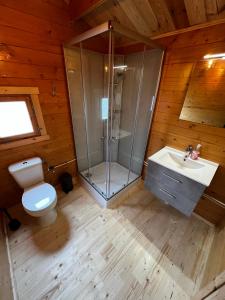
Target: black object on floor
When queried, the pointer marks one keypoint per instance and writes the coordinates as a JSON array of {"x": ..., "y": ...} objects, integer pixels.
[
  {"x": 13, "y": 224},
  {"x": 66, "y": 182}
]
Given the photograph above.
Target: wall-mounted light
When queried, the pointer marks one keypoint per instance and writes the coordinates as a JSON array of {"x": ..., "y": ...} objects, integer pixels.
[{"x": 214, "y": 56}]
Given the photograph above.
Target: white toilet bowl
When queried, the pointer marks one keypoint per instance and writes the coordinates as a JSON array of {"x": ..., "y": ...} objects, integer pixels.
[
  {"x": 40, "y": 201},
  {"x": 39, "y": 198}
]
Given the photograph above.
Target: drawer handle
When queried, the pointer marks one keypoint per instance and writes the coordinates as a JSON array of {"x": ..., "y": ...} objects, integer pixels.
[
  {"x": 165, "y": 191},
  {"x": 174, "y": 179}
]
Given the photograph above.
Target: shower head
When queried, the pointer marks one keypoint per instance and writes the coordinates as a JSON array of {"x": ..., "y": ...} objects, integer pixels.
[
  {"x": 120, "y": 71},
  {"x": 120, "y": 67}
]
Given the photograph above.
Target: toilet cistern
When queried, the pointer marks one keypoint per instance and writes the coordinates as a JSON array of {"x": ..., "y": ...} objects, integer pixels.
[{"x": 39, "y": 198}]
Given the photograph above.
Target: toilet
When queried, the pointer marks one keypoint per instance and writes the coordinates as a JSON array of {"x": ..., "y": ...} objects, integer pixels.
[{"x": 39, "y": 198}]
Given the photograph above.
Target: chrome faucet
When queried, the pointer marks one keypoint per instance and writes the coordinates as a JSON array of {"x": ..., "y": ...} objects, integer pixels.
[{"x": 188, "y": 151}]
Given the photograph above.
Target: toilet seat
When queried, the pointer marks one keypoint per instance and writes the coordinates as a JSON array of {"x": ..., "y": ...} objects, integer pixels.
[{"x": 38, "y": 199}]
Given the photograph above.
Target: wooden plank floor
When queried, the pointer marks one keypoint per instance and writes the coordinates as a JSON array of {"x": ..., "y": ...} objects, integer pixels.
[{"x": 140, "y": 250}]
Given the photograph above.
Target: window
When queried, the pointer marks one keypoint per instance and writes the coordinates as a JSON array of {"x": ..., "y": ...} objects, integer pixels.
[
  {"x": 17, "y": 118},
  {"x": 21, "y": 120}
]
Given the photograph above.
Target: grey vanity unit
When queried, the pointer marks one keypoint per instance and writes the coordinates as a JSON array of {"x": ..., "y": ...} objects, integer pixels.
[
  {"x": 177, "y": 179},
  {"x": 173, "y": 188}
]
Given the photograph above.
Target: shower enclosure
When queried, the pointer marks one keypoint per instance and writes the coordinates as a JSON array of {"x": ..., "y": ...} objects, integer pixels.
[{"x": 113, "y": 76}]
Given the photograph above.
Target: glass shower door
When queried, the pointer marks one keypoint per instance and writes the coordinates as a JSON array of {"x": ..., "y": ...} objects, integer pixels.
[
  {"x": 95, "y": 94},
  {"x": 74, "y": 75},
  {"x": 127, "y": 72},
  {"x": 151, "y": 76},
  {"x": 116, "y": 173}
]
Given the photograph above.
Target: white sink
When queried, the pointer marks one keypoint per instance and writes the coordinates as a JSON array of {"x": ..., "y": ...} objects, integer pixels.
[{"x": 200, "y": 170}]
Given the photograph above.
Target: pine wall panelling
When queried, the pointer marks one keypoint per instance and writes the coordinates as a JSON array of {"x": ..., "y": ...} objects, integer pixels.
[
  {"x": 182, "y": 52},
  {"x": 33, "y": 34}
]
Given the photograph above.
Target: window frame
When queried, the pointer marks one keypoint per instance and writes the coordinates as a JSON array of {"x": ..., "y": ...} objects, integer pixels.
[{"x": 30, "y": 96}]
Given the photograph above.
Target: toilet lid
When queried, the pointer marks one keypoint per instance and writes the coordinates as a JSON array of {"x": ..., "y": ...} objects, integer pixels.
[{"x": 39, "y": 197}]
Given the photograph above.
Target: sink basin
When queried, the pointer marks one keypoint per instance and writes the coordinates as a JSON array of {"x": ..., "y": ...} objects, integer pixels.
[
  {"x": 178, "y": 161},
  {"x": 200, "y": 170}
]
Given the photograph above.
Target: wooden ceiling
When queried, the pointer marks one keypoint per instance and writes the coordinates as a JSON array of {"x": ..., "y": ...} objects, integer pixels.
[{"x": 148, "y": 17}]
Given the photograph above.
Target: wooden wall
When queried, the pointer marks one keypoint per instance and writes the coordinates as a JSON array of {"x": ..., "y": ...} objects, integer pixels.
[
  {"x": 33, "y": 32},
  {"x": 183, "y": 50}
]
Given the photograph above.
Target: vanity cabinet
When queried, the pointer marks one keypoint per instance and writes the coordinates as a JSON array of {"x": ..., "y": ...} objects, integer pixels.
[{"x": 173, "y": 188}]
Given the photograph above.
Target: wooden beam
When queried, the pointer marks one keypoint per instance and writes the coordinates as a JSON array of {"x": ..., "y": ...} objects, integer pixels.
[
  {"x": 148, "y": 15},
  {"x": 178, "y": 13},
  {"x": 115, "y": 26},
  {"x": 163, "y": 15},
  {"x": 80, "y": 8},
  {"x": 140, "y": 15},
  {"x": 18, "y": 90},
  {"x": 215, "y": 9},
  {"x": 89, "y": 34},
  {"x": 133, "y": 35},
  {"x": 196, "y": 11},
  {"x": 211, "y": 9},
  {"x": 188, "y": 29}
]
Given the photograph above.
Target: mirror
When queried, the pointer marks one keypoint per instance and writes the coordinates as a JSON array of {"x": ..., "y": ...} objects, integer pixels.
[{"x": 205, "y": 98}]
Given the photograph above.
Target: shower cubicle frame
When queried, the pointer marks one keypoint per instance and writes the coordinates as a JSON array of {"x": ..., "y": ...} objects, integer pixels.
[{"x": 114, "y": 26}]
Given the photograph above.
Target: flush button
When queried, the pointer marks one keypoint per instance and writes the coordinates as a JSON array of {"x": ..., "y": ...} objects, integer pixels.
[{"x": 25, "y": 162}]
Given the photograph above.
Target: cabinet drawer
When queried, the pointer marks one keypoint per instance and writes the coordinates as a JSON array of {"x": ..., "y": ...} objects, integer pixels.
[
  {"x": 175, "y": 183},
  {"x": 178, "y": 201}
]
